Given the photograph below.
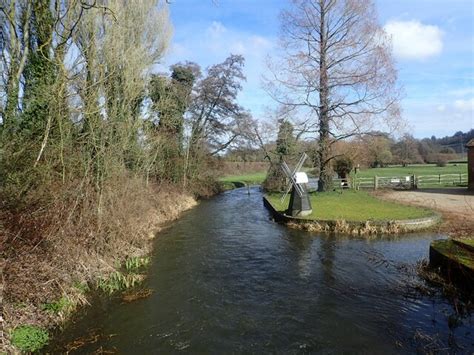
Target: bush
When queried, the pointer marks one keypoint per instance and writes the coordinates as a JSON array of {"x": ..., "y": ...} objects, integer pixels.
[
  {"x": 29, "y": 338},
  {"x": 343, "y": 166},
  {"x": 275, "y": 180},
  {"x": 441, "y": 160}
]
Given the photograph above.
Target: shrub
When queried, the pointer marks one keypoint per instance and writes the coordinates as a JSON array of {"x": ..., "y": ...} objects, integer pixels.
[
  {"x": 441, "y": 160},
  {"x": 276, "y": 179},
  {"x": 343, "y": 166},
  {"x": 29, "y": 338}
]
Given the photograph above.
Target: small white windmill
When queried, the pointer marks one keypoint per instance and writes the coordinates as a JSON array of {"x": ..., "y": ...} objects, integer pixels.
[{"x": 299, "y": 205}]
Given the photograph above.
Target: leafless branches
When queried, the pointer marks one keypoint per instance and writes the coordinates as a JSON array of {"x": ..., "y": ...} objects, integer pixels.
[{"x": 335, "y": 69}]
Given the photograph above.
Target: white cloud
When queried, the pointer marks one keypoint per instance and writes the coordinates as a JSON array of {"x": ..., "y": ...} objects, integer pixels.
[
  {"x": 414, "y": 40},
  {"x": 464, "y": 105},
  {"x": 216, "y": 29},
  {"x": 462, "y": 91}
]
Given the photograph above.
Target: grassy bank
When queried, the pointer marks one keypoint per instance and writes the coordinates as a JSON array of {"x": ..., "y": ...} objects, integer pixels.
[
  {"x": 353, "y": 205},
  {"x": 55, "y": 254}
]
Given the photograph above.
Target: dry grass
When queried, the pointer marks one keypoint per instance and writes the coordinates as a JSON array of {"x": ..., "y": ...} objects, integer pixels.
[
  {"x": 49, "y": 247},
  {"x": 366, "y": 229}
]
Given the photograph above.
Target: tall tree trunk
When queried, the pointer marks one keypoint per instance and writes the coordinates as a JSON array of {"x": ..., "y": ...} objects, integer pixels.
[
  {"x": 17, "y": 63},
  {"x": 325, "y": 177}
]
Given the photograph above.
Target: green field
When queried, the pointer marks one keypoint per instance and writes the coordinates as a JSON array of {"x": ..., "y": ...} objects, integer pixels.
[
  {"x": 350, "y": 205},
  {"x": 240, "y": 180},
  {"x": 418, "y": 169},
  {"x": 252, "y": 178}
]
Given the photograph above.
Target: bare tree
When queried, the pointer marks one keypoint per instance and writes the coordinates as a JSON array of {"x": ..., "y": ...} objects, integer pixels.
[
  {"x": 405, "y": 151},
  {"x": 336, "y": 69},
  {"x": 14, "y": 37}
]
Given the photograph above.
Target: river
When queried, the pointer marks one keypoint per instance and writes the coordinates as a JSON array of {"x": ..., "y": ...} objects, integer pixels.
[{"x": 227, "y": 279}]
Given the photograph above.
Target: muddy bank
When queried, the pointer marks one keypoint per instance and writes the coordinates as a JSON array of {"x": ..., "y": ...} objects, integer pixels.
[{"x": 44, "y": 279}]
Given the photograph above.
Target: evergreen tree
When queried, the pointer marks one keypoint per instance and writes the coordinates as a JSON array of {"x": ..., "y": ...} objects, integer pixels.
[{"x": 285, "y": 149}]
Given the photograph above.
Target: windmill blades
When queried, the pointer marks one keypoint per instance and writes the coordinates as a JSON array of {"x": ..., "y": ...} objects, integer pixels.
[
  {"x": 300, "y": 163},
  {"x": 288, "y": 173},
  {"x": 286, "y": 169},
  {"x": 291, "y": 176},
  {"x": 286, "y": 193},
  {"x": 298, "y": 188},
  {"x": 298, "y": 166}
]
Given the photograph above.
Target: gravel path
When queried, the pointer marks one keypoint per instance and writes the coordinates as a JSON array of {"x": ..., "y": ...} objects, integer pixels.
[{"x": 456, "y": 205}]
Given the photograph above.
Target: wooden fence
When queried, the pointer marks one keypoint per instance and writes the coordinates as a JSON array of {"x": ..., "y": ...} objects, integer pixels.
[{"x": 402, "y": 182}]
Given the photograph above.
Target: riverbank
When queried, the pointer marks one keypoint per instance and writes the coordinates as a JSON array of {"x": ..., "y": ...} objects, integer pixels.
[
  {"x": 44, "y": 279},
  {"x": 353, "y": 212}
]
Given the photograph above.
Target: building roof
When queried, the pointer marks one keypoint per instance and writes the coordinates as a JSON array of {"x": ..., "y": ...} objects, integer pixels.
[{"x": 470, "y": 143}]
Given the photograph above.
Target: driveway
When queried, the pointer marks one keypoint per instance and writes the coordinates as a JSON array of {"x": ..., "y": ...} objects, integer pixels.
[{"x": 455, "y": 204}]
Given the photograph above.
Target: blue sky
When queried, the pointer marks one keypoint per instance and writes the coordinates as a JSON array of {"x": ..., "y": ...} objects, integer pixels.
[{"x": 433, "y": 43}]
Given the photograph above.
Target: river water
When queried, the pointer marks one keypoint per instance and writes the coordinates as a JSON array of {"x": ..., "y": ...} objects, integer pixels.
[{"x": 227, "y": 279}]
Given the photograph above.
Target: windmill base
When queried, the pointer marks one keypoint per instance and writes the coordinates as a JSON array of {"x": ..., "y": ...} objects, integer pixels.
[{"x": 299, "y": 206}]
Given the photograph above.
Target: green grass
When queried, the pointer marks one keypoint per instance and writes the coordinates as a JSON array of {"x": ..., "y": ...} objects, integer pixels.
[
  {"x": 469, "y": 242},
  {"x": 118, "y": 281},
  {"x": 230, "y": 182},
  {"x": 29, "y": 338},
  {"x": 395, "y": 170},
  {"x": 56, "y": 307},
  {"x": 252, "y": 178},
  {"x": 466, "y": 243},
  {"x": 418, "y": 169},
  {"x": 82, "y": 287},
  {"x": 454, "y": 252},
  {"x": 353, "y": 205},
  {"x": 135, "y": 263}
]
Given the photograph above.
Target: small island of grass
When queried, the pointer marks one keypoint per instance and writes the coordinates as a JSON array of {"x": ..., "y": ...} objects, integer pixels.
[
  {"x": 351, "y": 205},
  {"x": 353, "y": 212}
]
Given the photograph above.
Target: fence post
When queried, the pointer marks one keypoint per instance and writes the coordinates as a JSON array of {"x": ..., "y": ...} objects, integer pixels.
[
  {"x": 376, "y": 182},
  {"x": 460, "y": 178},
  {"x": 414, "y": 184},
  {"x": 439, "y": 179}
]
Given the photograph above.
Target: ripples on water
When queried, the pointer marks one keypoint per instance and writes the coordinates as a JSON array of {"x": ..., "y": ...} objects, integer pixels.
[{"x": 228, "y": 279}]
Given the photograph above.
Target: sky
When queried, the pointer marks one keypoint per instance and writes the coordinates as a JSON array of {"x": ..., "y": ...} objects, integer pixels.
[{"x": 433, "y": 45}]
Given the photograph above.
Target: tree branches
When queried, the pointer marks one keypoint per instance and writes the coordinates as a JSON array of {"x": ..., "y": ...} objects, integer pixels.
[{"x": 335, "y": 67}]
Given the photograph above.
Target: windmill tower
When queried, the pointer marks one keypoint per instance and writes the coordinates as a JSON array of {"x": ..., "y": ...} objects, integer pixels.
[{"x": 299, "y": 205}]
